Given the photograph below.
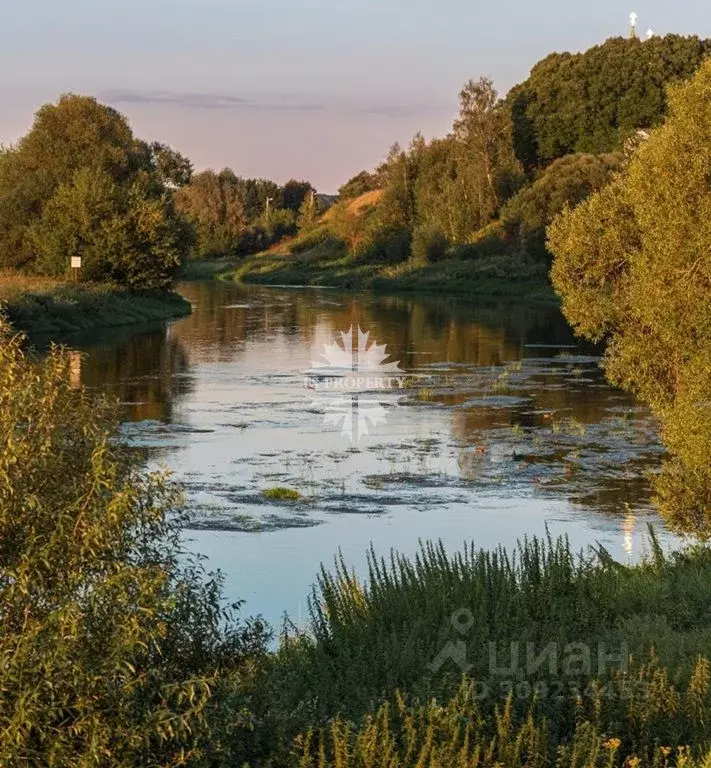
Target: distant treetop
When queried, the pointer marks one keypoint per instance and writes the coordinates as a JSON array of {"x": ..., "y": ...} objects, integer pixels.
[{"x": 591, "y": 102}]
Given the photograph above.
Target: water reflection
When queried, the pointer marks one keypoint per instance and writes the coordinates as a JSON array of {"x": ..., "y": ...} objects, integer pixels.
[{"x": 508, "y": 426}]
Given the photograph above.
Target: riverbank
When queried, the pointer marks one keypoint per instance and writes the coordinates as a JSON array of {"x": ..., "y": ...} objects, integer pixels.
[
  {"x": 326, "y": 265},
  {"x": 44, "y": 307}
]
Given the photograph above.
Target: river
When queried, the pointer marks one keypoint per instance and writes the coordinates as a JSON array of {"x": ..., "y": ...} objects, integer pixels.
[{"x": 496, "y": 424}]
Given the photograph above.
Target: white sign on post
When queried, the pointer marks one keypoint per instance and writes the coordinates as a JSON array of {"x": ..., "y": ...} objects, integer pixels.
[{"x": 76, "y": 262}]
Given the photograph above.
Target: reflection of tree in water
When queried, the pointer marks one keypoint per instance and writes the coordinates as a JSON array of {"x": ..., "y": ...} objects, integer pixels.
[
  {"x": 225, "y": 317},
  {"x": 141, "y": 368},
  {"x": 231, "y": 322}
]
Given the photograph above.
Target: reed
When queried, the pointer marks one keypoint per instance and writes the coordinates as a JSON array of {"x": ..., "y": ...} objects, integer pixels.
[{"x": 420, "y": 625}]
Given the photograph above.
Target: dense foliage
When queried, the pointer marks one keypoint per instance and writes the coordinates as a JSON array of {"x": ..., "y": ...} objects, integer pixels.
[
  {"x": 234, "y": 216},
  {"x": 633, "y": 265},
  {"x": 489, "y": 189},
  {"x": 560, "y": 655},
  {"x": 360, "y": 184},
  {"x": 592, "y": 101},
  {"x": 566, "y": 182},
  {"x": 80, "y": 184},
  {"x": 115, "y": 650}
]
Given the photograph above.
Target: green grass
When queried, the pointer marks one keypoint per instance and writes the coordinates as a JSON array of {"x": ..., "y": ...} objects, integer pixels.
[
  {"x": 209, "y": 268},
  {"x": 329, "y": 264},
  {"x": 57, "y": 309}
]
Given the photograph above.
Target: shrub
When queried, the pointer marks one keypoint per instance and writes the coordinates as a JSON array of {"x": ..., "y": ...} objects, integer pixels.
[
  {"x": 566, "y": 182},
  {"x": 115, "y": 649},
  {"x": 429, "y": 245},
  {"x": 418, "y": 625}
]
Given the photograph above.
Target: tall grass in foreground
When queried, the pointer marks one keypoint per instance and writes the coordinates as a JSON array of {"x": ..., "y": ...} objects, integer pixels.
[
  {"x": 527, "y": 630},
  {"x": 456, "y": 735}
]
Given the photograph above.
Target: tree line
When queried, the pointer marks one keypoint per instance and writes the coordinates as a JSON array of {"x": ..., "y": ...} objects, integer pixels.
[
  {"x": 509, "y": 165},
  {"x": 633, "y": 266},
  {"x": 80, "y": 183}
]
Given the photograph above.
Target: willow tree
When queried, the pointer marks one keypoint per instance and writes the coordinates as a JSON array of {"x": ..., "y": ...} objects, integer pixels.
[{"x": 633, "y": 265}]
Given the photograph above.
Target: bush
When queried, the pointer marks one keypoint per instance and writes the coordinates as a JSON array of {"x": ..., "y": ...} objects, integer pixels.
[
  {"x": 566, "y": 182},
  {"x": 387, "y": 245},
  {"x": 429, "y": 245},
  {"x": 115, "y": 649},
  {"x": 80, "y": 184},
  {"x": 421, "y": 625}
]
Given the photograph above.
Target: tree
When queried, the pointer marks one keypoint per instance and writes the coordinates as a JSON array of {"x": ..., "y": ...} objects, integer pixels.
[
  {"x": 360, "y": 184},
  {"x": 309, "y": 214},
  {"x": 566, "y": 182},
  {"x": 487, "y": 166},
  {"x": 76, "y": 132},
  {"x": 591, "y": 102},
  {"x": 633, "y": 265},
  {"x": 123, "y": 235},
  {"x": 294, "y": 194},
  {"x": 173, "y": 169},
  {"x": 80, "y": 183},
  {"x": 257, "y": 196},
  {"x": 213, "y": 203}
]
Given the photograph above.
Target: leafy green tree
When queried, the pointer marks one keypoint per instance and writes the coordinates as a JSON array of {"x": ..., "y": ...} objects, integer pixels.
[
  {"x": 487, "y": 167},
  {"x": 257, "y": 196},
  {"x": 633, "y": 265},
  {"x": 294, "y": 194},
  {"x": 123, "y": 235},
  {"x": 428, "y": 245},
  {"x": 360, "y": 184},
  {"x": 81, "y": 156},
  {"x": 172, "y": 168},
  {"x": 591, "y": 102},
  {"x": 76, "y": 132},
  {"x": 213, "y": 203},
  {"x": 115, "y": 649},
  {"x": 309, "y": 214},
  {"x": 566, "y": 182},
  {"x": 439, "y": 194}
]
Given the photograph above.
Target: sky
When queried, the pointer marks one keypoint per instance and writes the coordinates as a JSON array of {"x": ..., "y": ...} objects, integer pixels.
[{"x": 307, "y": 89}]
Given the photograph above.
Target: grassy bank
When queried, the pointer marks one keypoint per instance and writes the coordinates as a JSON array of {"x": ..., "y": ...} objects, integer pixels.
[
  {"x": 209, "y": 269},
  {"x": 39, "y": 306},
  {"x": 534, "y": 657},
  {"x": 329, "y": 264}
]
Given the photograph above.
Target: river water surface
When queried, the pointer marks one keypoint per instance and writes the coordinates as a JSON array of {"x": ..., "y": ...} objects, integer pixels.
[{"x": 501, "y": 426}]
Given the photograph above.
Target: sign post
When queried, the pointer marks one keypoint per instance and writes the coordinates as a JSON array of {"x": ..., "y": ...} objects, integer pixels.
[{"x": 76, "y": 266}]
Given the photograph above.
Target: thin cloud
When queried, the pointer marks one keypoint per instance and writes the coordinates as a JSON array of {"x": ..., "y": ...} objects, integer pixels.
[
  {"x": 285, "y": 103},
  {"x": 206, "y": 101}
]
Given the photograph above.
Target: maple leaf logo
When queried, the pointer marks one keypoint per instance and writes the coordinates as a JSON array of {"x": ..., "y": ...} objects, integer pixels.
[
  {"x": 344, "y": 373},
  {"x": 361, "y": 358},
  {"x": 355, "y": 417}
]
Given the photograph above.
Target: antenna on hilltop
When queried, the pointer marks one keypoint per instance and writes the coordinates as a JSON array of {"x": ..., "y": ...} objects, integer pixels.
[{"x": 633, "y": 24}]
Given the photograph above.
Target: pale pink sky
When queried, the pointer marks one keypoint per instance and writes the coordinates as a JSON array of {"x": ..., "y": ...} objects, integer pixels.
[{"x": 313, "y": 89}]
